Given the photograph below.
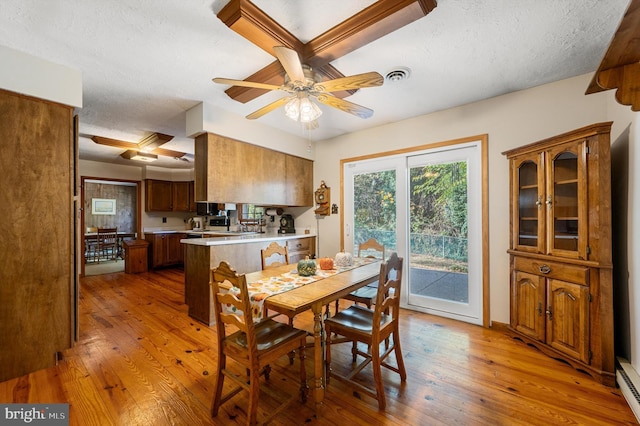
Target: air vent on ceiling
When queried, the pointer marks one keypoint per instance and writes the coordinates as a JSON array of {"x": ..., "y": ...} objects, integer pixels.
[{"x": 398, "y": 74}]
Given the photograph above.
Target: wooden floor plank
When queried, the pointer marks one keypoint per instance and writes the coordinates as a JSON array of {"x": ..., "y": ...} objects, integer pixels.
[{"x": 142, "y": 360}]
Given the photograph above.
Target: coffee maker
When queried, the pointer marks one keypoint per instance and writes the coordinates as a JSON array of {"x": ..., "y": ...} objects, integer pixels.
[{"x": 198, "y": 223}]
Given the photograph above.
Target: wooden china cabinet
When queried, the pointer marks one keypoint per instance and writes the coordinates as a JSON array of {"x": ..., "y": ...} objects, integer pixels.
[{"x": 560, "y": 249}]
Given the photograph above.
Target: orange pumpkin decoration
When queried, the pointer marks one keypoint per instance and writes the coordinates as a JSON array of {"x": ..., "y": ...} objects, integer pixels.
[{"x": 326, "y": 263}]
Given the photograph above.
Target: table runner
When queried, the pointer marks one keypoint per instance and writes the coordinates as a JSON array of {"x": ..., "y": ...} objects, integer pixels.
[{"x": 261, "y": 289}]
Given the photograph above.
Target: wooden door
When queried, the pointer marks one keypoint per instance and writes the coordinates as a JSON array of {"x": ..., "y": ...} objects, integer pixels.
[
  {"x": 566, "y": 202},
  {"x": 37, "y": 275},
  {"x": 528, "y": 231},
  {"x": 528, "y": 304},
  {"x": 568, "y": 318}
]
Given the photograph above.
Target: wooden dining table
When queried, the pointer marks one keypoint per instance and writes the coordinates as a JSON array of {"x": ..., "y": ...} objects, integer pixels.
[{"x": 314, "y": 296}]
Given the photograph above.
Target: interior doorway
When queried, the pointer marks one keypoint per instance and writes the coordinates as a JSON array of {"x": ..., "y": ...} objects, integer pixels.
[{"x": 126, "y": 216}]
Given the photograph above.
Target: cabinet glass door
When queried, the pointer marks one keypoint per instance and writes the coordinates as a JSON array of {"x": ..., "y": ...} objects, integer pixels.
[
  {"x": 529, "y": 220},
  {"x": 566, "y": 202}
]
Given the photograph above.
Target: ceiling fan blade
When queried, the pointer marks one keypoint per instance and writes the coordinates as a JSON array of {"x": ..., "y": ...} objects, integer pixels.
[
  {"x": 358, "y": 81},
  {"x": 345, "y": 106},
  {"x": 244, "y": 83},
  {"x": 290, "y": 62},
  {"x": 268, "y": 108},
  {"x": 113, "y": 142}
]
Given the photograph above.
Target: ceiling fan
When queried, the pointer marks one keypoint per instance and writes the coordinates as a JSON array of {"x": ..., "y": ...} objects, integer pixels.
[
  {"x": 147, "y": 149},
  {"x": 302, "y": 84}
]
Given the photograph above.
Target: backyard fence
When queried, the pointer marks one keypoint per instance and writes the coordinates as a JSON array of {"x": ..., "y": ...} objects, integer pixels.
[{"x": 440, "y": 246}]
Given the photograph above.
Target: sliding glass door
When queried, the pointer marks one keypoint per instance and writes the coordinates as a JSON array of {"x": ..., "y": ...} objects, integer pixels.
[{"x": 427, "y": 206}]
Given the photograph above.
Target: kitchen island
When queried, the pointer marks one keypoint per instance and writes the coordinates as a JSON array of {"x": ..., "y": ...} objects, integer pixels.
[{"x": 243, "y": 254}]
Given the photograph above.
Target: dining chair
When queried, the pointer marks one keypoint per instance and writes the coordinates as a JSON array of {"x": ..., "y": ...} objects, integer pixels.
[
  {"x": 366, "y": 295},
  {"x": 371, "y": 327},
  {"x": 274, "y": 255},
  {"x": 107, "y": 243},
  {"x": 91, "y": 244},
  {"x": 253, "y": 345}
]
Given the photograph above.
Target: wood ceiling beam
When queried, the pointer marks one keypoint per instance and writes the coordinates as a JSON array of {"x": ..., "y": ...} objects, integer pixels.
[
  {"x": 620, "y": 68},
  {"x": 373, "y": 22},
  {"x": 378, "y": 20}
]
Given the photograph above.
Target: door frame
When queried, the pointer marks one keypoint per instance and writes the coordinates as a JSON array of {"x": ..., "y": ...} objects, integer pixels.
[
  {"x": 81, "y": 209},
  {"x": 483, "y": 140}
]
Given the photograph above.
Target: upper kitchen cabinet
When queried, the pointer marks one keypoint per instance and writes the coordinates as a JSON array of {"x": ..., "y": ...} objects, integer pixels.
[
  {"x": 237, "y": 172},
  {"x": 167, "y": 196},
  {"x": 298, "y": 175}
]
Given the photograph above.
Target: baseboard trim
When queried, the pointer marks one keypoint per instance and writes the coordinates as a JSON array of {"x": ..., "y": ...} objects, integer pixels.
[{"x": 629, "y": 383}]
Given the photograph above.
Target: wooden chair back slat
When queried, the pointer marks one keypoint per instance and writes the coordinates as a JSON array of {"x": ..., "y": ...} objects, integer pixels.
[{"x": 274, "y": 255}]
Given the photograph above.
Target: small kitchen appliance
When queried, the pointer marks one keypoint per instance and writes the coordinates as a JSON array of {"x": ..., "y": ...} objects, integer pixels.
[
  {"x": 197, "y": 223},
  {"x": 286, "y": 225}
]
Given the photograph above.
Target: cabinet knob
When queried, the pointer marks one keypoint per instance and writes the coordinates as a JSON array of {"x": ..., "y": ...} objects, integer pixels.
[
  {"x": 549, "y": 313},
  {"x": 539, "y": 308},
  {"x": 539, "y": 201},
  {"x": 544, "y": 269},
  {"x": 549, "y": 202}
]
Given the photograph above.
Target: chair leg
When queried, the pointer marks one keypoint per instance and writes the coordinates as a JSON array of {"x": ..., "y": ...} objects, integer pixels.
[
  {"x": 354, "y": 351},
  {"x": 219, "y": 382},
  {"x": 254, "y": 391},
  {"x": 304, "y": 388},
  {"x": 398, "y": 353},
  {"x": 327, "y": 361},
  {"x": 377, "y": 376}
]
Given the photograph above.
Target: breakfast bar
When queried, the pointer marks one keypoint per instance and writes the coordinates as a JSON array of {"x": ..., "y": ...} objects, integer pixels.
[{"x": 242, "y": 252}]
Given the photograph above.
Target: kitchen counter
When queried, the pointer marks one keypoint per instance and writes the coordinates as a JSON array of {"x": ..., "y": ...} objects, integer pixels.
[
  {"x": 242, "y": 252},
  {"x": 231, "y": 237}
]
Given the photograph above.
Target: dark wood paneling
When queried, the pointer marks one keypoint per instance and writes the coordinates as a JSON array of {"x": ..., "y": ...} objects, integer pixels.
[{"x": 126, "y": 206}]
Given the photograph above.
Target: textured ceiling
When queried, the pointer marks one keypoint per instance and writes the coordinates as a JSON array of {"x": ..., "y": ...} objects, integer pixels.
[{"x": 145, "y": 62}]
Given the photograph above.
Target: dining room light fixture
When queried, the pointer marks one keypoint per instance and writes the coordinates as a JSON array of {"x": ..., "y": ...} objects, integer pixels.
[{"x": 300, "y": 108}]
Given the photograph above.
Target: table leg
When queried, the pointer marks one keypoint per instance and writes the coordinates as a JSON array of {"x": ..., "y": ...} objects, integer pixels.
[{"x": 318, "y": 358}]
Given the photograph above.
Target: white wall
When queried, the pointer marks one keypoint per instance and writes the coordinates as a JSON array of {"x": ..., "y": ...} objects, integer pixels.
[
  {"x": 29, "y": 75},
  {"x": 510, "y": 121}
]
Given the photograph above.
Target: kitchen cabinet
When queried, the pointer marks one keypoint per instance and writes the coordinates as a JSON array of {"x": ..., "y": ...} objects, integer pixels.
[
  {"x": 238, "y": 172},
  {"x": 298, "y": 173},
  {"x": 165, "y": 249},
  {"x": 300, "y": 248},
  {"x": 38, "y": 278},
  {"x": 560, "y": 248},
  {"x": 167, "y": 196}
]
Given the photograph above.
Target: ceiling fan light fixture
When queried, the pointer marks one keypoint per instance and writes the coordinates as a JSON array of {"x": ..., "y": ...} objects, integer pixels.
[
  {"x": 300, "y": 108},
  {"x": 309, "y": 111},
  {"x": 132, "y": 154}
]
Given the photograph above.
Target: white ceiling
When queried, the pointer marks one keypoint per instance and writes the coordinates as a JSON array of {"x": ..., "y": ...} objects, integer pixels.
[{"x": 145, "y": 62}]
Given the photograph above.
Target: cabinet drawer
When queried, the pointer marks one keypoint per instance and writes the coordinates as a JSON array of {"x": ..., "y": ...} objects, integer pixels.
[
  {"x": 299, "y": 244},
  {"x": 560, "y": 271}
]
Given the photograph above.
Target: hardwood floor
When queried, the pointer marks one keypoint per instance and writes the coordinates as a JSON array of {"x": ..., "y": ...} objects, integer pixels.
[{"x": 141, "y": 360}]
